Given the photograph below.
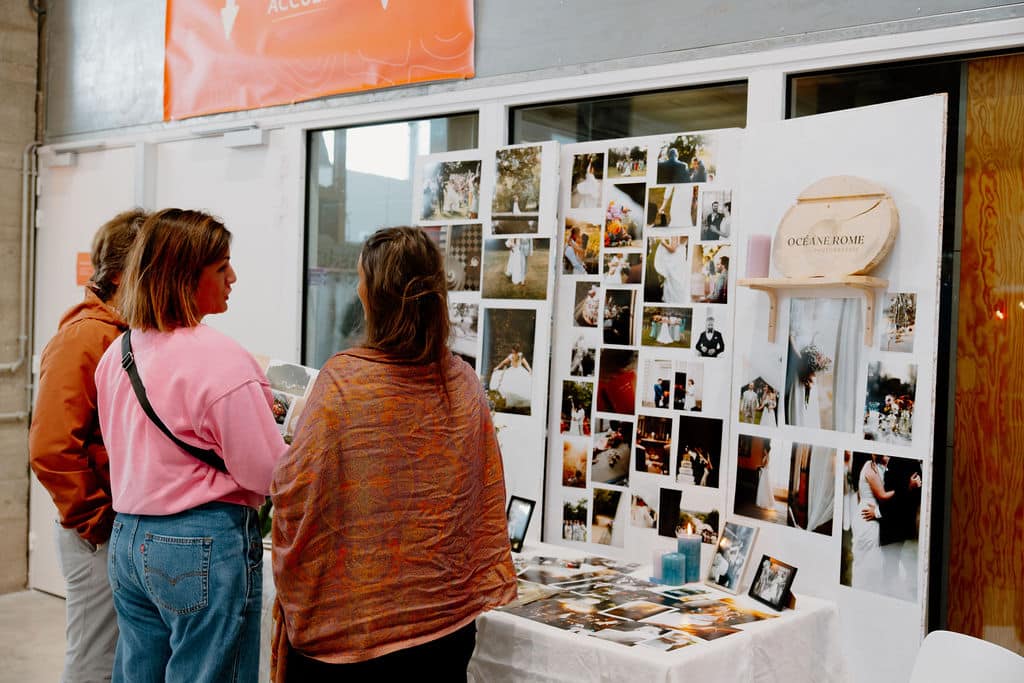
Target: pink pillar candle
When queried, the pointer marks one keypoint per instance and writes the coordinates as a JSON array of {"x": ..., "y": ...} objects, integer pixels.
[{"x": 759, "y": 249}]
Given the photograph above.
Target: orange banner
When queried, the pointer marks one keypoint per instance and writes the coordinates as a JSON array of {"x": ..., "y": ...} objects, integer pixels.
[{"x": 227, "y": 55}]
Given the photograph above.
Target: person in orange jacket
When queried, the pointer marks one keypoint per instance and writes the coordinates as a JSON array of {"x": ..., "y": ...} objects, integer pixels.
[{"x": 67, "y": 453}]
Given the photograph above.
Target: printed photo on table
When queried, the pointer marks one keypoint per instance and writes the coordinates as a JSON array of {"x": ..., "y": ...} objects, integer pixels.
[
  {"x": 516, "y": 201},
  {"x": 676, "y": 518},
  {"x": 759, "y": 403},
  {"x": 688, "y": 388},
  {"x": 656, "y": 389},
  {"x": 617, "y": 380},
  {"x": 577, "y": 398},
  {"x": 462, "y": 247},
  {"x": 674, "y": 206},
  {"x": 587, "y": 174},
  {"x": 709, "y": 273},
  {"x": 624, "y": 215},
  {"x": 451, "y": 189},
  {"x": 608, "y": 525},
  {"x": 732, "y": 554},
  {"x": 900, "y": 320},
  {"x": 715, "y": 215},
  {"x": 463, "y": 319},
  {"x": 587, "y": 307},
  {"x": 665, "y": 327},
  {"x": 825, "y": 340},
  {"x": 581, "y": 358},
  {"x": 687, "y": 159},
  {"x": 507, "y": 359},
  {"x": 610, "y": 460},
  {"x": 574, "y": 518},
  {"x": 699, "y": 451},
  {"x": 653, "y": 444},
  {"x": 881, "y": 524},
  {"x": 627, "y": 162},
  {"x": 666, "y": 272},
  {"x": 582, "y": 247},
  {"x": 623, "y": 268},
  {"x": 618, "y": 320},
  {"x": 889, "y": 403},
  {"x": 516, "y": 268},
  {"x": 575, "y": 452}
]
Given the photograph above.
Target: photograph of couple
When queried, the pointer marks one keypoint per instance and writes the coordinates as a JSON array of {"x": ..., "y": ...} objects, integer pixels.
[
  {"x": 582, "y": 247},
  {"x": 666, "y": 272},
  {"x": 575, "y": 414},
  {"x": 709, "y": 274},
  {"x": 624, "y": 215},
  {"x": 516, "y": 201},
  {"x": 667, "y": 327},
  {"x": 699, "y": 455},
  {"x": 516, "y": 268},
  {"x": 657, "y": 385},
  {"x": 674, "y": 206},
  {"x": 687, "y": 159},
  {"x": 451, "y": 189},
  {"x": 889, "y": 403},
  {"x": 731, "y": 556},
  {"x": 675, "y": 520},
  {"x": 688, "y": 390},
  {"x": 881, "y": 524},
  {"x": 610, "y": 461},
  {"x": 507, "y": 358},
  {"x": 756, "y": 470},
  {"x": 716, "y": 215},
  {"x": 587, "y": 174},
  {"x": 759, "y": 402},
  {"x": 581, "y": 359}
]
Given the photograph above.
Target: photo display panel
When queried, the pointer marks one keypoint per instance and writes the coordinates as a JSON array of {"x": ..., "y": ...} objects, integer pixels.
[
  {"x": 493, "y": 213},
  {"x": 642, "y": 343}
]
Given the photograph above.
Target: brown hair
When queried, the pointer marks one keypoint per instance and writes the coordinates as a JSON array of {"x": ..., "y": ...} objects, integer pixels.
[
  {"x": 110, "y": 247},
  {"x": 162, "y": 273},
  {"x": 406, "y": 295}
]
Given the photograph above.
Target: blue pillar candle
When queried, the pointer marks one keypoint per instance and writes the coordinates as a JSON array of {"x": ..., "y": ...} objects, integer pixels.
[
  {"x": 688, "y": 545},
  {"x": 673, "y": 568}
]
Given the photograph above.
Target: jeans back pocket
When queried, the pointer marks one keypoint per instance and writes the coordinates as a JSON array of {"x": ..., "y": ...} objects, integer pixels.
[
  {"x": 177, "y": 571},
  {"x": 113, "y": 562}
]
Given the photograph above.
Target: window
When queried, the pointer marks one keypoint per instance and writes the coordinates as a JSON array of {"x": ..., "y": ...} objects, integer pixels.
[{"x": 359, "y": 179}]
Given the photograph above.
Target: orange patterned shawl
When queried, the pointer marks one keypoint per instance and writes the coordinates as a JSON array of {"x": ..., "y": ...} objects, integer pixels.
[{"x": 389, "y": 512}]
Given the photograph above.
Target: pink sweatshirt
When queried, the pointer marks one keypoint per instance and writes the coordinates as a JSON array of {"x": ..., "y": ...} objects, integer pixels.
[{"x": 210, "y": 393}]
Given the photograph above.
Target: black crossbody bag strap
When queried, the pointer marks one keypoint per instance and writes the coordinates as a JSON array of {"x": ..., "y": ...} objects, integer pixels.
[{"x": 128, "y": 363}]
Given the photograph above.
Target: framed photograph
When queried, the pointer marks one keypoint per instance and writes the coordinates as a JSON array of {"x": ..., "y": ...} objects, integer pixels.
[
  {"x": 732, "y": 553},
  {"x": 772, "y": 582},
  {"x": 519, "y": 512}
]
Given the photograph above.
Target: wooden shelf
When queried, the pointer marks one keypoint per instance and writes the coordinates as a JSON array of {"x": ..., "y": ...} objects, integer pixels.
[{"x": 865, "y": 284}]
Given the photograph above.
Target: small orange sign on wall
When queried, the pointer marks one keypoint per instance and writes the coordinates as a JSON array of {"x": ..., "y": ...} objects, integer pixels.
[
  {"x": 83, "y": 268},
  {"x": 227, "y": 55}
]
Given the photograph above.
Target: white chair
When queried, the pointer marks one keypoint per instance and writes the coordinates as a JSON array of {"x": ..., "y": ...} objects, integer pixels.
[{"x": 953, "y": 657}]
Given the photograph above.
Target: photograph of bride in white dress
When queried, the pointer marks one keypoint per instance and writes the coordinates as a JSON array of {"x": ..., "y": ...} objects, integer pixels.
[
  {"x": 674, "y": 206},
  {"x": 881, "y": 518},
  {"x": 666, "y": 272},
  {"x": 812, "y": 488},
  {"x": 627, "y": 162},
  {"x": 889, "y": 403},
  {"x": 825, "y": 340},
  {"x": 623, "y": 268},
  {"x": 451, "y": 189},
  {"x": 699, "y": 454},
  {"x": 643, "y": 507},
  {"x": 656, "y": 384},
  {"x": 516, "y": 268},
  {"x": 577, "y": 398},
  {"x": 516, "y": 201},
  {"x": 665, "y": 327},
  {"x": 463, "y": 319},
  {"x": 587, "y": 307},
  {"x": 610, "y": 459},
  {"x": 507, "y": 358},
  {"x": 582, "y": 247},
  {"x": 709, "y": 273},
  {"x": 608, "y": 526},
  {"x": 688, "y": 389},
  {"x": 581, "y": 358},
  {"x": 759, "y": 402},
  {"x": 587, "y": 174},
  {"x": 761, "y": 480}
]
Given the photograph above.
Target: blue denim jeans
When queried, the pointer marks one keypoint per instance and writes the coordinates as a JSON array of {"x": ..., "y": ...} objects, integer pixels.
[{"x": 187, "y": 590}]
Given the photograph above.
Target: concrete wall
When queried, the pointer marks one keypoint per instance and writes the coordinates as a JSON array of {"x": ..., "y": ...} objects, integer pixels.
[
  {"x": 18, "y": 55},
  {"x": 105, "y": 57}
]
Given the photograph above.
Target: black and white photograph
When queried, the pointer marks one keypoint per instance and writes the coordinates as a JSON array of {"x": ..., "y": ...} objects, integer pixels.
[
  {"x": 762, "y": 479},
  {"x": 451, "y": 190},
  {"x": 574, "y": 518},
  {"x": 666, "y": 271},
  {"x": 587, "y": 174},
  {"x": 715, "y": 215},
  {"x": 608, "y": 525},
  {"x": 688, "y": 387},
  {"x": 507, "y": 358},
  {"x": 656, "y": 388},
  {"x": 709, "y": 273},
  {"x": 575, "y": 456},
  {"x": 674, "y": 206},
  {"x": 732, "y": 554},
  {"x": 889, "y": 403},
  {"x": 667, "y": 327},
  {"x": 812, "y": 488},
  {"x": 617, "y": 381},
  {"x": 627, "y": 162},
  {"x": 624, "y": 215},
  {"x": 710, "y": 343},
  {"x": 610, "y": 460},
  {"x": 581, "y": 358},
  {"x": 772, "y": 582},
  {"x": 676, "y": 518},
  {"x": 622, "y": 268},
  {"x": 619, "y": 311},
  {"x": 515, "y": 205},
  {"x": 825, "y": 340},
  {"x": 687, "y": 159},
  {"x": 759, "y": 403},
  {"x": 577, "y": 397},
  {"x": 462, "y": 247},
  {"x": 653, "y": 444},
  {"x": 463, "y": 319},
  {"x": 516, "y": 268},
  {"x": 881, "y": 524},
  {"x": 699, "y": 451},
  {"x": 587, "y": 307},
  {"x": 900, "y": 315},
  {"x": 581, "y": 253}
]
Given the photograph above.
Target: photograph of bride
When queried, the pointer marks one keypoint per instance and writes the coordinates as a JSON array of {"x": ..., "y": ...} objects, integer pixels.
[
  {"x": 759, "y": 403},
  {"x": 516, "y": 203},
  {"x": 463, "y": 318},
  {"x": 516, "y": 268},
  {"x": 623, "y": 268},
  {"x": 582, "y": 247},
  {"x": 674, "y": 206},
  {"x": 881, "y": 524},
  {"x": 610, "y": 459},
  {"x": 656, "y": 387},
  {"x": 699, "y": 455},
  {"x": 587, "y": 174},
  {"x": 825, "y": 338},
  {"x": 576, "y": 400},
  {"x": 688, "y": 389},
  {"x": 667, "y": 327},
  {"x": 627, "y": 162},
  {"x": 666, "y": 273},
  {"x": 507, "y": 358},
  {"x": 643, "y": 507},
  {"x": 812, "y": 488},
  {"x": 451, "y": 189},
  {"x": 761, "y": 480},
  {"x": 889, "y": 402}
]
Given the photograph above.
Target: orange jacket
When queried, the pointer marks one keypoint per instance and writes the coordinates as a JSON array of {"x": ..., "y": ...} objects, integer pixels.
[{"x": 64, "y": 442}]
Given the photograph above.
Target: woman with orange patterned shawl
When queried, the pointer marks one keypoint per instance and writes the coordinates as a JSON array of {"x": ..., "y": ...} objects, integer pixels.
[{"x": 389, "y": 510}]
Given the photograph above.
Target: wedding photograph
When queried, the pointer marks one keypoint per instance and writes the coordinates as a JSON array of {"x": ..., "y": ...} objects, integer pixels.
[
  {"x": 709, "y": 273},
  {"x": 666, "y": 272},
  {"x": 812, "y": 488},
  {"x": 577, "y": 398},
  {"x": 587, "y": 307},
  {"x": 672, "y": 206},
  {"x": 900, "y": 314},
  {"x": 762, "y": 481},
  {"x": 656, "y": 387},
  {"x": 463, "y": 319},
  {"x": 627, "y": 162},
  {"x": 516, "y": 268},
  {"x": 574, "y": 518},
  {"x": 881, "y": 524},
  {"x": 608, "y": 521},
  {"x": 688, "y": 388},
  {"x": 675, "y": 518},
  {"x": 451, "y": 189},
  {"x": 759, "y": 403},
  {"x": 715, "y": 215},
  {"x": 772, "y": 581},
  {"x": 889, "y": 402},
  {"x": 653, "y": 444},
  {"x": 609, "y": 463},
  {"x": 643, "y": 510},
  {"x": 507, "y": 358},
  {"x": 619, "y": 312},
  {"x": 290, "y": 378},
  {"x": 623, "y": 268},
  {"x": 687, "y": 159},
  {"x": 669, "y": 642},
  {"x": 825, "y": 341},
  {"x": 616, "y": 382},
  {"x": 575, "y": 450},
  {"x": 665, "y": 327},
  {"x": 587, "y": 174},
  {"x": 710, "y": 342},
  {"x": 732, "y": 554},
  {"x": 699, "y": 451},
  {"x": 462, "y": 249},
  {"x": 636, "y": 610},
  {"x": 624, "y": 215},
  {"x": 517, "y": 183},
  {"x": 581, "y": 253},
  {"x": 581, "y": 358}
]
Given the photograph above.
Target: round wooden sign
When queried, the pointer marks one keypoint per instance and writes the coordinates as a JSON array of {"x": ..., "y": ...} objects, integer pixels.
[{"x": 841, "y": 225}]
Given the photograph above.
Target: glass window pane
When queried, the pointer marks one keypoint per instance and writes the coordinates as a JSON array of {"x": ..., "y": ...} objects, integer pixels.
[
  {"x": 359, "y": 180},
  {"x": 630, "y": 115}
]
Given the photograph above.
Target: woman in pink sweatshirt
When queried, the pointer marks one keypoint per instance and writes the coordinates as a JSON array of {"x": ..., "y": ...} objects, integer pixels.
[{"x": 185, "y": 550}]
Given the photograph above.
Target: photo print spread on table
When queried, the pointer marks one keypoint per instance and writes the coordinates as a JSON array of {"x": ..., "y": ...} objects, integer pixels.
[
  {"x": 687, "y": 159},
  {"x": 617, "y": 381},
  {"x": 577, "y": 398},
  {"x": 587, "y": 174},
  {"x": 715, "y": 215},
  {"x": 451, "y": 190},
  {"x": 575, "y": 452},
  {"x": 653, "y": 444},
  {"x": 582, "y": 358},
  {"x": 676, "y": 518},
  {"x": 889, "y": 402},
  {"x": 587, "y": 307},
  {"x": 627, "y": 162},
  {"x": 882, "y": 506},
  {"x": 507, "y": 359},
  {"x": 825, "y": 340},
  {"x": 610, "y": 459},
  {"x": 608, "y": 525},
  {"x": 621, "y": 268},
  {"x": 667, "y": 327},
  {"x": 656, "y": 387},
  {"x": 699, "y": 451},
  {"x": 709, "y": 273},
  {"x": 516, "y": 268},
  {"x": 620, "y": 307},
  {"x": 463, "y": 319},
  {"x": 666, "y": 272},
  {"x": 515, "y": 205},
  {"x": 900, "y": 314},
  {"x": 624, "y": 214},
  {"x": 581, "y": 253},
  {"x": 688, "y": 387}
]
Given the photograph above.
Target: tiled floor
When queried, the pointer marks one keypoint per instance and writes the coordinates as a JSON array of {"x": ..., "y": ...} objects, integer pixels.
[{"x": 31, "y": 637}]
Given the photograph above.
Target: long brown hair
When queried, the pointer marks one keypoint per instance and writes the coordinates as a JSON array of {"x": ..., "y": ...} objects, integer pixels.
[
  {"x": 406, "y": 296},
  {"x": 110, "y": 247},
  {"x": 162, "y": 273}
]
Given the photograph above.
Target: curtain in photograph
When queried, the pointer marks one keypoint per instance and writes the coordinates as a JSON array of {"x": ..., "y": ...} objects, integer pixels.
[
  {"x": 847, "y": 359},
  {"x": 822, "y": 487}
]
